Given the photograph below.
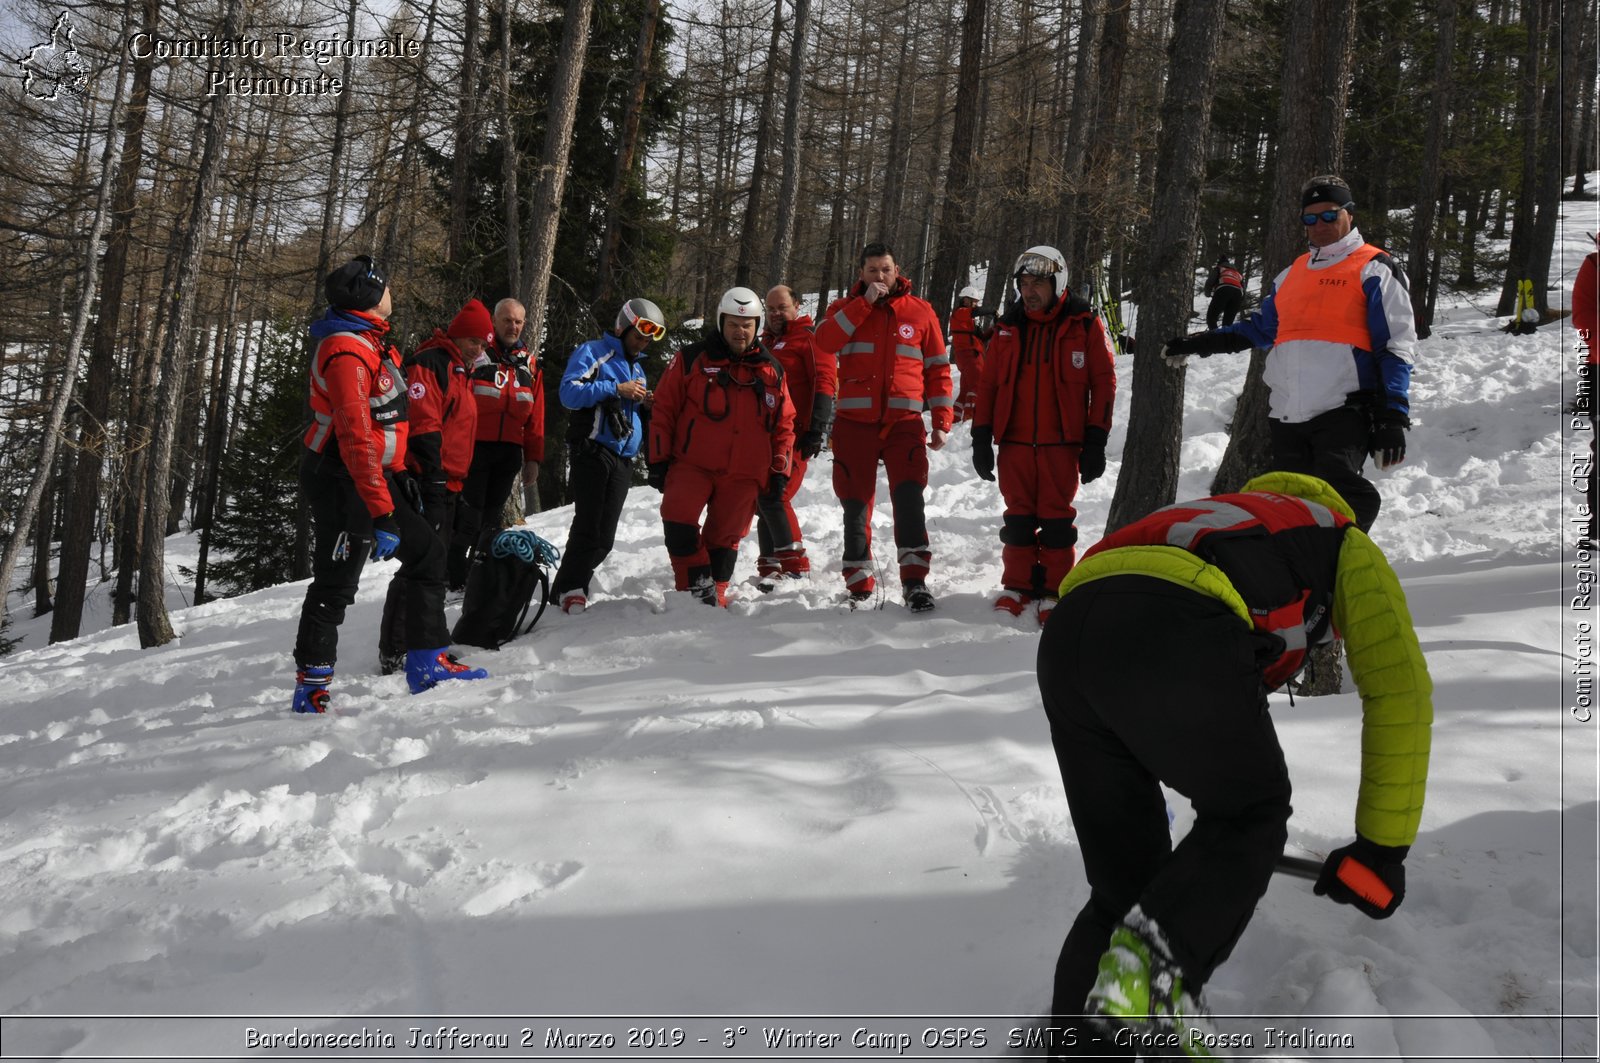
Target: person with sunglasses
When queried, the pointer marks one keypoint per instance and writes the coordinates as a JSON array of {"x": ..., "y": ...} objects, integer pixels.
[
  {"x": 604, "y": 387},
  {"x": 1343, "y": 339}
]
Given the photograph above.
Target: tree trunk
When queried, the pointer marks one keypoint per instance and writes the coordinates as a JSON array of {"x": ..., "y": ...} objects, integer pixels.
[
  {"x": 28, "y": 511},
  {"x": 789, "y": 182},
  {"x": 1149, "y": 476},
  {"x": 955, "y": 213},
  {"x": 83, "y": 493},
  {"x": 1092, "y": 202},
  {"x": 1422, "y": 223},
  {"x": 1311, "y": 112},
  {"x": 1519, "y": 256},
  {"x": 460, "y": 171},
  {"x": 606, "y": 273},
  {"x": 509, "y": 159},
  {"x": 155, "y": 628},
  {"x": 1078, "y": 124},
  {"x": 408, "y": 151},
  {"x": 1560, "y": 96},
  {"x": 749, "y": 235},
  {"x": 545, "y": 215}
]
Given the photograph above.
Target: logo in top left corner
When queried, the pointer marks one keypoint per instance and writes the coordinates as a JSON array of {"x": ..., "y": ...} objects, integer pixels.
[{"x": 54, "y": 68}]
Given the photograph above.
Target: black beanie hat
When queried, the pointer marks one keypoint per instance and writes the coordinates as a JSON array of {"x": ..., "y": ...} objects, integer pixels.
[
  {"x": 1327, "y": 192},
  {"x": 356, "y": 285}
]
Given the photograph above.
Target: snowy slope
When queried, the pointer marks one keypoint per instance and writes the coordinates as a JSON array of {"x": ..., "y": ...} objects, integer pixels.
[{"x": 786, "y": 808}]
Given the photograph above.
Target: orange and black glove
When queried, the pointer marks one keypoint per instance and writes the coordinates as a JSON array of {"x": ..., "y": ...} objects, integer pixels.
[{"x": 1368, "y": 875}]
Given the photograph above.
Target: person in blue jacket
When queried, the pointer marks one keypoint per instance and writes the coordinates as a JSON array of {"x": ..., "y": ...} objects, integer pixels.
[{"x": 604, "y": 386}]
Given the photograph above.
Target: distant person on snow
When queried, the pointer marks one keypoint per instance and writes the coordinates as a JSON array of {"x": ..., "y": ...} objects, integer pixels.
[
  {"x": 892, "y": 365},
  {"x": 1225, "y": 287},
  {"x": 442, "y": 420},
  {"x": 363, "y": 501},
  {"x": 812, "y": 378},
  {"x": 604, "y": 387},
  {"x": 1155, "y": 669},
  {"x": 508, "y": 387},
  {"x": 721, "y": 434},
  {"x": 1049, "y": 383},
  {"x": 967, "y": 341},
  {"x": 1343, "y": 340},
  {"x": 1586, "y": 321}
]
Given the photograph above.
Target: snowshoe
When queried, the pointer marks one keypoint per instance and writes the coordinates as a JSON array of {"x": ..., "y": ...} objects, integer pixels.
[
  {"x": 311, "y": 688},
  {"x": 426, "y": 669},
  {"x": 1140, "y": 988},
  {"x": 918, "y": 599}
]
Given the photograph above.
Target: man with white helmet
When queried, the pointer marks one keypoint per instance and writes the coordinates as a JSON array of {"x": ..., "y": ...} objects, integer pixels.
[
  {"x": 966, "y": 346},
  {"x": 1046, "y": 397},
  {"x": 604, "y": 386},
  {"x": 892, "y": 365},
  {"x": 721, "y": 436}
]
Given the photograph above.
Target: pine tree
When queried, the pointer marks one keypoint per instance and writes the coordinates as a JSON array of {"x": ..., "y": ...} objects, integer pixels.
[{"x": 260, "y": 474}]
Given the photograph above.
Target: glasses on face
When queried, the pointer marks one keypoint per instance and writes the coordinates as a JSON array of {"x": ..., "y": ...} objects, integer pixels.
[
  {"x": 649, "y": 329},
  {"x": 1326, "y": 215},
  {"x": 1037, "y": 266}
]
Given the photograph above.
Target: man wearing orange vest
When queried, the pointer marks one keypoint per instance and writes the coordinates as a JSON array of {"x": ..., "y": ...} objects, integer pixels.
[
  {"x": 1154, "y": 669},
  {"x": 1225, "y": 286},
  {"x": 363, "y": 502},
  {"x": 1343, "y": 338},
  {"x": 892, "y": 363}
]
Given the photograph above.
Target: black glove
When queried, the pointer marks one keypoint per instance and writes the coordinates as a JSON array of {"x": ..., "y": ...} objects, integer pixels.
[
  {"x": 983, "y": 452},
  {"x": 1388, "y": 441},
  {"x": 657, "y": 477},
  {"x": 1205, "y": 344},
  {"x": 1092, "y": 459},
  {"x": 409, "y": 489},
  {"x": 1368, "y": 875},
  {"x": 777, "y": 484},
  {"x": 810, "y": 444}
]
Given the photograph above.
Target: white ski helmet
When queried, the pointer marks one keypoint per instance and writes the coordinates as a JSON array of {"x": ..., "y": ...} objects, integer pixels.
[
  {"x": 643, "y": 315},
  {"x": 1042, "y": 260},
  {"x": 971, "y": 292},
  {"x": 739, "y": 302}
]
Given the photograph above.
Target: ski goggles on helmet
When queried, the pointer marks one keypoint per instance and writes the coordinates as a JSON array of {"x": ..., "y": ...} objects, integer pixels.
[
  {"x": 649, "y": 329},
  {"x": 1035, "y": 265},
  {"x": 1325, "y": 215}
]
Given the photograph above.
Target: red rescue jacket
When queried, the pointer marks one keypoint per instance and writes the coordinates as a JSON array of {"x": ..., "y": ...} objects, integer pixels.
[
  {"x": 892, "y": 359},
  {"x": 358, "y": 399},
  {"x": 807, "y": 372},
  {"x": 444, "y": 417},
  {"x": 510, "y": 396},
  {"x": 1048, "y": 377},
  {"x": 1586, "y": 306},
  {"x": 728, "y": 414}
]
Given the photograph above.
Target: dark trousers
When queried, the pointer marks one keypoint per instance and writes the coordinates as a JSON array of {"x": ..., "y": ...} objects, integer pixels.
[
  {"x": 1197, "y": 722},
  {"x": 1331, "y": 446},
  {"x": 1224, "y": 306},
  {"x": 599, "y": 480},
  {"x": 337, "y": 511},
  {"x": 392, "y": 631},
  {"x": 495, "y": 467}
]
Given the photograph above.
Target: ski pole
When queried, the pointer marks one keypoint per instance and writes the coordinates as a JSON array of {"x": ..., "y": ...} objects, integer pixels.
[{"x": 1299, "y": 867}]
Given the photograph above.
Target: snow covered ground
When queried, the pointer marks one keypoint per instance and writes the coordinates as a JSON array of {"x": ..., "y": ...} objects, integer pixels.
[{"x": 787, "y": 809}]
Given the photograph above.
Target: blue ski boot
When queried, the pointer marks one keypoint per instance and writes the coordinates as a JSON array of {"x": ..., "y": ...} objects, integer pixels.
[
  {"x": 426, "y": 669},
  {"x": 311, "y": 688}
]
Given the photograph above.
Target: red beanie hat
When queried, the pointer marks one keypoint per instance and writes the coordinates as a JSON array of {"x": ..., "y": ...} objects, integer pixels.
[{"x": 473, "y": 322}]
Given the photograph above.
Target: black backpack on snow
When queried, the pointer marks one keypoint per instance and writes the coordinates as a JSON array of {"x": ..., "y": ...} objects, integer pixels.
[{"x": 502, "y": 586}]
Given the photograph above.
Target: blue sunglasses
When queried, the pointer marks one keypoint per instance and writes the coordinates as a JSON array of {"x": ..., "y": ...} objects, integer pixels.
[{"x": 1327, "y": 215}]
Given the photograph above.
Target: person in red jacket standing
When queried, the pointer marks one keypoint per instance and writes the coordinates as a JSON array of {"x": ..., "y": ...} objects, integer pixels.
[
  {"x": 1586, "y": 320},
  {"x": 363, "y": 501},
  {"x": 721, "y": 434},
  {"x": 812, "y": 379},
  {"x": 443, "y": 423},
  {"x": 967, "y": 342},
  {"x": 1046, "y": 396},
  {"x": 509, "y": 389},
  {"x": 892, "y": 364}
]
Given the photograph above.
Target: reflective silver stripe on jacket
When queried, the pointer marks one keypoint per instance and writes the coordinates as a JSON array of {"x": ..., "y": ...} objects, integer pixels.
[
  {"x": 855, "y": 404},
  {"x": 941, "y": 400},
  {"x": 524, "y": 396},
  {"x": 1213, "y": 515},
  {"x": 319, "y": 438},
  {"x": 856, "y": 348},
  {"x": 486, "y": 390},
  {"x": 316, "y": 358},
  {"x": 942, "y": 359},
  {"x": 904, "y": 404},
  {"x": 905, "y": 350},
  {"x": 844, "y": 323}
]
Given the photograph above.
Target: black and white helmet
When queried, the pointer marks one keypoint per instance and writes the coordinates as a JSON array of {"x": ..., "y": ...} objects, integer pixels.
[
  {"x": 643, "y": 315},
  {"x": 739, "y": 302},
  {"x": 1042, "y": 260}
]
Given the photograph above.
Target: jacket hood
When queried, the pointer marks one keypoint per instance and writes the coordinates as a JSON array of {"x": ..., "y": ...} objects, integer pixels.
[
  {"x": 441, "y": 342},
  {"x": 1336, "y": 251},
  {"x": 802, "y": 322},
  {"x": 336, "y": 320},
  {"x": 1072, "y": 306},
  {"x": 902, "y": 286}
]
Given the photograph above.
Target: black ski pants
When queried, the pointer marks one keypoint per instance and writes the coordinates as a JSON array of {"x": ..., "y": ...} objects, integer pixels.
[
  {"x": 1224, "y": 306},
  {"x": 340, "y": 519},
  {"x": 1331, "y": 446},
  {"x": 494, "y": 468},
  {"x": 392, "y": 632},
  {"x": 599, "y": 482},
  {"x": 1146, "y": 682}
]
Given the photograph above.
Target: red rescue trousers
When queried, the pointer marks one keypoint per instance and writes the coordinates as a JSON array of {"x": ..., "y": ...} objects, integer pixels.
[
  {"x": 783, "y": 548},
  {"x": 903, "y": 448},
  {"x": 729, "y": 504},
  {"x": 1038, "y": 484}
]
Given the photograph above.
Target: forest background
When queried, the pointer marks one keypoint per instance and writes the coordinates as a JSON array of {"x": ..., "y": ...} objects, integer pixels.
[{"x": 162, "y": 242}]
